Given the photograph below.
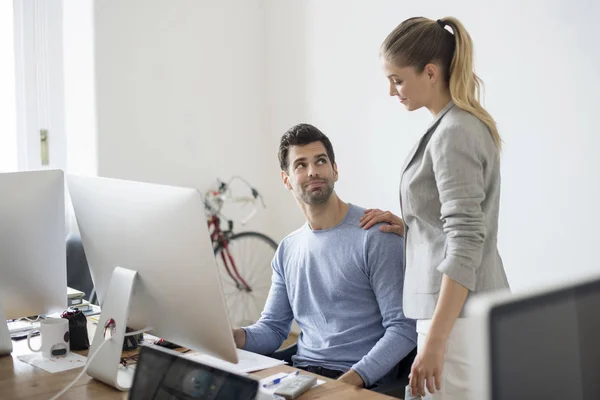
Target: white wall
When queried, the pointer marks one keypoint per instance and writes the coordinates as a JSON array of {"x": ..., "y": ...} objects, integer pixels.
[
  {"x": 540, "y": 65},
  {"x": 287, "y": 101},
  {"x": 181, "y": 92},
  {"x": 80, "y": 95}
]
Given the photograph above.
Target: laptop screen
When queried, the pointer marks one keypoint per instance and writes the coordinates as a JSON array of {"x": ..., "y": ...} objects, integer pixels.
[
  {"x": 165, "y": 375},
  {"x": 547, "y": 347}
]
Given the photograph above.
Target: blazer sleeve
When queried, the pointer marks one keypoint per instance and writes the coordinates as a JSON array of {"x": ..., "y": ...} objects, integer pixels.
[{"x": 458, "y": 166}]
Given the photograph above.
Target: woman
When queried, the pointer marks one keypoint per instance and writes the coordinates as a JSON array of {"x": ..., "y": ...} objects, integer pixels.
[{"x": 449, "y": 196}]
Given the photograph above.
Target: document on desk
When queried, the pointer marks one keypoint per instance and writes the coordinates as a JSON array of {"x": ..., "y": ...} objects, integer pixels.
[
  {"x": 247, "y": 362},
  {"x": 71, "y": 361}
]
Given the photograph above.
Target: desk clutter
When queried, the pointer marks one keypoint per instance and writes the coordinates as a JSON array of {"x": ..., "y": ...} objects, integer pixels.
[
  {"x": 50, "y": 350},
  {"x": 296, "y": 384},
  {"x": 19, "y": 328},
  {"x": 79, "y": 340},
  {"x": 78, "y": 309},
  {"x": 76, "y": 300}
]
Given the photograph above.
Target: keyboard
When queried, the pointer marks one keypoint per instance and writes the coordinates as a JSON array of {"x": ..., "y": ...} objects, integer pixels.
[{"x": 21, "y": 326}]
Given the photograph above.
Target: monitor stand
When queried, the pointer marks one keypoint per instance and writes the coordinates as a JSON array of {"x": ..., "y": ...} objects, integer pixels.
[
  {"x": 5, "y": 341},
  {"x": 105, "y": 366}
]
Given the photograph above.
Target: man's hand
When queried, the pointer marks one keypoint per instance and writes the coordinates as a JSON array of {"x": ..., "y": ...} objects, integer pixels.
[
  {"x": 239, "y": 337},
  {"x": 352, "y": 378},
  {"x": 374, "y": 216}
]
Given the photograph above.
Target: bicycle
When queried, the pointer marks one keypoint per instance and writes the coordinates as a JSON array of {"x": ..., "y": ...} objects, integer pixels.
[{"x": 244, "y": 259}]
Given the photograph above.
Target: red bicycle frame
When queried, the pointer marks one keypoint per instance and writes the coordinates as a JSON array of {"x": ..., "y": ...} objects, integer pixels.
[{"x": 221, "y": 239}]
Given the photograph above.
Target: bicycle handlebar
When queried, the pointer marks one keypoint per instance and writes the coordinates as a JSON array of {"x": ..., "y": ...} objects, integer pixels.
[{"x": 223, "y": 195}]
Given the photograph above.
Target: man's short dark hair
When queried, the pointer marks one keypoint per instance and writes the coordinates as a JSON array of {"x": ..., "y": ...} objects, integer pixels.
[{"x": 301, "y": 135}]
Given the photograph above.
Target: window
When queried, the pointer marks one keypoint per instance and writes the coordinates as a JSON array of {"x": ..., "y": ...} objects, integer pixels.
[
  {"x": 8, "y": 108},
  {"x": 32, "y": 125}
]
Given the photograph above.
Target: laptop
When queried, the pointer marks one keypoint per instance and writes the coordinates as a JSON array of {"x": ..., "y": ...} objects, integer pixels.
[{"x": 163, "y": 374}]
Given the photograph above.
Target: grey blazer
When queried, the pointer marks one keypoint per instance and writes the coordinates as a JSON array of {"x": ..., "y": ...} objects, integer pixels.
[{"x": 449, "y": 196}]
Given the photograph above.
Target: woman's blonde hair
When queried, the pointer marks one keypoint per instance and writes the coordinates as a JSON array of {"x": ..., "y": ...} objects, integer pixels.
[{"x": 419, "y": 41}]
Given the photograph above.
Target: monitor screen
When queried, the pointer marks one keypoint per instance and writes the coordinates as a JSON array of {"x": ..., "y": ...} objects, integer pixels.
[
  {"x": 548, "y": 346},
  {"x": 164, "y": 375}
]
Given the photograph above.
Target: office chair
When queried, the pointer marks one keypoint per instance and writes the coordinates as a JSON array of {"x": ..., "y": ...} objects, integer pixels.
[
  {"x": 78, "y": 271},
  {"x": 393, "y": 389}
]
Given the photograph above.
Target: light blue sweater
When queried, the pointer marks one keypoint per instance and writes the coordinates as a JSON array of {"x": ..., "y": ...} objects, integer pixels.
[{"x": 343, "y": 286}]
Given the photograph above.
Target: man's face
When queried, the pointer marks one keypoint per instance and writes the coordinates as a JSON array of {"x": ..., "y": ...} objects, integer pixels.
[{"x": 310, "y": 174}]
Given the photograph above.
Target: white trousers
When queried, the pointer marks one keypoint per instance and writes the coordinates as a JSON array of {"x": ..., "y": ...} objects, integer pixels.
[{"x": 455, "y": 372}]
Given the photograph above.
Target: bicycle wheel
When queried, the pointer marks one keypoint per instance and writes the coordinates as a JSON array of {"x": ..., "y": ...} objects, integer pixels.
[{"x": 252, "y": 253}]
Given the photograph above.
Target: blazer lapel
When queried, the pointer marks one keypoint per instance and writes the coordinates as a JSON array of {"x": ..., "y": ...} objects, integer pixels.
[
  {"x": 412, "y": 153},
  {"x": 431, "y": 127}
]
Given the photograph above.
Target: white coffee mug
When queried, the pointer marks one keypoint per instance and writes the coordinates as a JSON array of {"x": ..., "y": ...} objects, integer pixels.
[{"x": 55, "y": 337}]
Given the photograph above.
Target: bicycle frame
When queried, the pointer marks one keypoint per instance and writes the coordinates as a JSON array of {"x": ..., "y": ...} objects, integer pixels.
[{"x": 220, "y": 238}]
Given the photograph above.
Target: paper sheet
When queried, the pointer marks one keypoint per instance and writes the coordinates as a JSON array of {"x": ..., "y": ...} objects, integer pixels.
[
  {"x": 247, "y": 362},
  {"x": 71, "y": 361},
  {"x": 270, "y": 390}
]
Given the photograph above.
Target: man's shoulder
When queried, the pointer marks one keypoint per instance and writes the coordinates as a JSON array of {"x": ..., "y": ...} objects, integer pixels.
[
  {"x": 294, "y": 234},
  {"x": 375, "y": 237},
  {"x": 373, "y": 233},
  {"x": 383, "y": 249},
  {"x": 291, "y": 238},
  {"x": 290, "y": 241},
  {"x": 354, "y": 214}
]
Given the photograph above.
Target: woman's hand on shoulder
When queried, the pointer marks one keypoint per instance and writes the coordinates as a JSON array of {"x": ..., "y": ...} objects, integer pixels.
[{"x": 393, "y": 223}]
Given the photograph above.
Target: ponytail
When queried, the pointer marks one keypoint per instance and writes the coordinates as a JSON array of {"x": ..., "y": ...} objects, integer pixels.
[{"x": 465, "y": 85}]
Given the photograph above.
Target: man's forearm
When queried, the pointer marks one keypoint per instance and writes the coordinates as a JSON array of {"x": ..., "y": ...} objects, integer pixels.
[
  {"x": 352, "y": 378},
  {"x": 239, "y": 336}
]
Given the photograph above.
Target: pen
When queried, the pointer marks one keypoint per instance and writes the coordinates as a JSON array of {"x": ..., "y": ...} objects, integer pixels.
[{"x": 277, "y": 380}]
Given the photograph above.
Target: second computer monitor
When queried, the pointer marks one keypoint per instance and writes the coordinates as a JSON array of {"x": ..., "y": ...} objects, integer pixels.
[
  {"x": 540, "y": 344},
  {"x": 33, "y": 275}
]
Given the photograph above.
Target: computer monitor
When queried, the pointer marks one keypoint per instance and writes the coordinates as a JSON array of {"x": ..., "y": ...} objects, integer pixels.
[
  {"x": 152, "y": 264},
  {"x": 33, "y": 275},
  {"x": 538, "y": 345}
]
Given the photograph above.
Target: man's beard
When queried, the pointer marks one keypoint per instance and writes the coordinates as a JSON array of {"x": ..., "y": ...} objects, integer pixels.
[{"x": 320, "y": 196}]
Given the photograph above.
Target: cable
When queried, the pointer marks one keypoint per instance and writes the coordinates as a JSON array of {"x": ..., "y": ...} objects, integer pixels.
[
  {"x": 138, "y": 332},
  {"x": 29, "y": 319},
  {"x": 87, "y": 364},
  {"x": 90, "y": 358}
]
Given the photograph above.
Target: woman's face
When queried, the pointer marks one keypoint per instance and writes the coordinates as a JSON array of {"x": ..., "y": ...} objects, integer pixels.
[{"x": 412, "y": 89}]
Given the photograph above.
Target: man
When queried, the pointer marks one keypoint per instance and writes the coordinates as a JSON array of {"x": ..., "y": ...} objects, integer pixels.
[{"x": 341, "y": 283}]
